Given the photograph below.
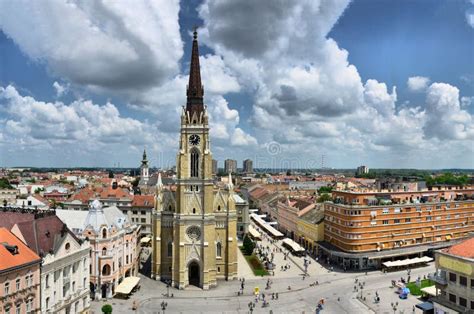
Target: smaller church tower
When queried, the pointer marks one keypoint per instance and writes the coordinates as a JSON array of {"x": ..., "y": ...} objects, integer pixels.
[{"x": 144, "y": 173}]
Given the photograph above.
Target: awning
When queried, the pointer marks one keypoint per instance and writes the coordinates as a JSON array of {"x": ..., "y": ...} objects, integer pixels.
[
  {"x": 254, "y": 233},
  {"x": 448, "y": 237},
  {"x": 127, "y": 285},
  {"x": 431, "y": 290},
  {"x": 145, "y": 240},
  {"x": 410, "y": 261},
  {"x": 425, "y": 306}
]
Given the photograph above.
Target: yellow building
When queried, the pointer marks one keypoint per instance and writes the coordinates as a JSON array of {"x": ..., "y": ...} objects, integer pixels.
[
  {"x": 194, "y": 227},
  {"x": 310, "y": 230}
]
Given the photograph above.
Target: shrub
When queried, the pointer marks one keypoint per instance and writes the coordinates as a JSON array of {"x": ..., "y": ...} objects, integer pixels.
[
  {"x": 248, "y": 246},
  {"x": 106, "y": 309}
]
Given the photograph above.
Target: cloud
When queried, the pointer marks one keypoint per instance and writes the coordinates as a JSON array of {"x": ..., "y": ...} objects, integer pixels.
[
  {"x": 60, "y": 89},
  {"x": 445, "y": 118},
  {"x": 240, "y": 138},
  {"x": 99, "y": 44},
  {"x": 418, "y": 83}
]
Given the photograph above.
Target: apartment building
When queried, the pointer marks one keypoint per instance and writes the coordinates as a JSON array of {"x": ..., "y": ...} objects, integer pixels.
[
  {"x": 248, "y": 166},
  {"x": 230, "y": 166},
  {"x": 454, "y": 279},
  {"x": 243, "y": 218},
  {"x": 141, "y": 212},
  {"x": 364, "y": 229},
  {"x": 19, "y": 276},
  {"x": 288, "y": 211}
]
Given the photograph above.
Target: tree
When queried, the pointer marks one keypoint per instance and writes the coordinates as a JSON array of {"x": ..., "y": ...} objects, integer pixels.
[
  {"x": 248, "y": 245},
  {"x": 106, "y": 309},
  {"x": 324, "y": 198},
  {"x": 111, "y": 174},
  {"x": 325, "y": 189}
]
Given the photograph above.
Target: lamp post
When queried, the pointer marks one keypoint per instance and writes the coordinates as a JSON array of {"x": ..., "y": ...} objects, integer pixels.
[
  {"x": 394, "y": 306},
  {"x": 164, "y": 305}
]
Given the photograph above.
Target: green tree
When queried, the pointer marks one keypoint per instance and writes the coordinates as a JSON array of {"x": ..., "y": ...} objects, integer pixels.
[
  {"x": 4, "y": 184},
  {"x": 106, "y": 309},
  {"x": 325, "y": 189},
  {"x": 324, "y": 198},
  {"x": 248, "y": 245}
]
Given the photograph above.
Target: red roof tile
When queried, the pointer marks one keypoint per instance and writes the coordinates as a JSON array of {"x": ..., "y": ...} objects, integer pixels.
[
  {"x": 24, "y": 256},
  {"x": 463, "y": 249},
  {"x": 143, "y": 201}
]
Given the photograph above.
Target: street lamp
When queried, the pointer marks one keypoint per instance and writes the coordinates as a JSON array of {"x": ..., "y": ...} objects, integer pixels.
[
  {"x": 163, "y": 306},
  {"x": 251, "y": 307},
  {"x": 394, "y": 306}
]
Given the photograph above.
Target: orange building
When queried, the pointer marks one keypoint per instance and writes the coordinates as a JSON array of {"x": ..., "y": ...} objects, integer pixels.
[
  {"x": 19, "y": 276},
  {"x": 364, "y": 229}
]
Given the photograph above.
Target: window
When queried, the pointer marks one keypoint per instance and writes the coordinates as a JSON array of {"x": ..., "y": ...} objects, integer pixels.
[
  {"x": 170, "y": 249},
  {"x": 17, "y": 284},
  {"x": 194, "y": 163},
  {"x": 373, "y": 222},
  {"x": 452, "y": 277},
  {"x": 385, "y": 222},
  {"x": 73, "y": 286},
  {"x": 143, "y": 220},
  {"x": 407, "y": 219},
  {"x": 428, "y": 218},
  {"x": 385, "y": 211},
  {"x": 18, "y": 308},
  {"x": 6, "y": 309},
  {"x": 194, "y": 210},
  {"x": 462, "y": 302},
  {"x": 29, "y": 304},
  {"x": 135, "y": 212},
  {"x": 106, "y": 270},
  {"x": 218, "y": 249},
  {"x": 143, "y": 212},
  {"x": 47, "y": 281},
  {"x": 396, "y": 221},
  {"x": 7, "y": 288},
  {"x": 47, "y": 303},
  {"x": 397, "y": 210},
  {"x": 472, "y": 283},
  {"x": 104, "y": 233},
  {"x": 219, "y": 208},
  {"x": 67, "y": 246},
  {"x": 104, "y": 251},
  {"x": 463, "y": 281},
  {"x": 452, "y": 298}
]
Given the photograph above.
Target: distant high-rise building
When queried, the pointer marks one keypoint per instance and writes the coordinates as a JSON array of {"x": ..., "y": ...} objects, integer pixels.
[
  {"x": 362, "y": 170},
  {"x": 248, "y": 166},
  {"x": 230, "y": 165},
  {"x": 215, "y": 167}
]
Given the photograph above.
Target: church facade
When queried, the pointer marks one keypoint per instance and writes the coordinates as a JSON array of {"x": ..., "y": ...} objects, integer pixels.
[{"x": 194, "y": 225}]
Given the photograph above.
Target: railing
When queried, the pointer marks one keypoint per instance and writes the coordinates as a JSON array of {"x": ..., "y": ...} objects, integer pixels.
[{"x": 438, "y": 278}]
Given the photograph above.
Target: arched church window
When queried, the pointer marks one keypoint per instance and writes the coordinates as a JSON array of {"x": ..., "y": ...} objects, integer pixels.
[
  {"x": 169, "y": 208},
  {"x": 194, "y": 210},
  {"x": 170, "y": 249},
  {"x": 194, "y": 163},
  {"x": 104, "y": 233},
  {"x": 219, "y": 208},
  {"x": 218, "y": 249}
]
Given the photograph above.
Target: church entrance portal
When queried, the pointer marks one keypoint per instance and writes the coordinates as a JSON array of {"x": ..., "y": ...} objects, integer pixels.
[{"x": 193, "y": 273}]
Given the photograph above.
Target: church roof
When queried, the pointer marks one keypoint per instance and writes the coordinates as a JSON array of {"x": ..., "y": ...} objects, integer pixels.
[{"x": 195, "y": 91}]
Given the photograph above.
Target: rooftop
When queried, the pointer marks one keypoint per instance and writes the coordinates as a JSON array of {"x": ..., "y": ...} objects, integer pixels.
[
  {"x": 464, "y": 249},
  {"x": 14, "y": 252}
]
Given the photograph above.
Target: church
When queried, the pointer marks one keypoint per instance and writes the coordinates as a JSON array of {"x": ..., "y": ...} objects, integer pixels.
[{"x": 194, "y": 225}]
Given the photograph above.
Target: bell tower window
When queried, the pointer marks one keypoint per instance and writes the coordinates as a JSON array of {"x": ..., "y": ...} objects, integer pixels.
[{"x": 194, "y": 163}]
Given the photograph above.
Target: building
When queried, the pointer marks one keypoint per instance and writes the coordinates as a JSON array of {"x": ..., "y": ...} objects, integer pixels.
[
  {"x": 230, "y": 166},
  {"x": 310, "y": 230},
  {"x": 362, "y": 170},
  {"x": 141, "y": 212},
  {"x": 308, "y": 185},
  {"x": 19, "y": 275},
  {"x": 243, "y": 216},
  {"x": 8, "y": 196},
  {"x": 248, "y": 166},
  {"x": 454, "y": 279},
  {"x": 287, "y": 212},
  {"x": 144, "y": 170},
  {"x": 113, "y": 242},
  {"x": 364, "y": 229},
  {"x": 215, "y": 166},
  {"x": 195, "y": 224}
]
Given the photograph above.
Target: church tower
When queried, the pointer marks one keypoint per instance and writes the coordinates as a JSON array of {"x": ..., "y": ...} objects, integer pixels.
[
  {"x": 194, "y": 227},
  {"x": 144, "y": 171}
]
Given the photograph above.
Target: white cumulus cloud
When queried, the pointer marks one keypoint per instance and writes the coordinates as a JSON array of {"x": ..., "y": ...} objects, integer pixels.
[{"x": 418, "y": 83}]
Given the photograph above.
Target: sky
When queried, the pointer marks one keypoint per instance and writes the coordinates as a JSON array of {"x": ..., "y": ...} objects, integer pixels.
[{"x": 288, "y": 84}]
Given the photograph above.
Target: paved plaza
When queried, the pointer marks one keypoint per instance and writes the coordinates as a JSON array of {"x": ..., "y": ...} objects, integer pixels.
[{"x": 295, "y": 294}]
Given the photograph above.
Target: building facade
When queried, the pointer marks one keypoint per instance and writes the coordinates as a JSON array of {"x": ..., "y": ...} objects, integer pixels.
[
  {"x": 230, "y": 166},
  {"x": 248, "y": 166},
  {"x": 454, "y": 279},
  {"x": 8, "y": 196},
  {"x": 215, "y": 166},
  {"x": 19, "y": 276},
  {"x": 195, "y": 226},
  {"x": 363, "y": 229},
  {"x": 243, "y": 216},
  {"x": 310, "y": 230},
  {"x": 114, "y": 245}
]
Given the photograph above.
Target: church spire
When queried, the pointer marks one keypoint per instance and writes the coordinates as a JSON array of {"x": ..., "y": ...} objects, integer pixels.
[{"x": 195, "y": 91}]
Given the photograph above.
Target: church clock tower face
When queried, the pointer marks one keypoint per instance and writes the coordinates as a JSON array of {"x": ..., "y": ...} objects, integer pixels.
[{"x": 194, "y": 139}]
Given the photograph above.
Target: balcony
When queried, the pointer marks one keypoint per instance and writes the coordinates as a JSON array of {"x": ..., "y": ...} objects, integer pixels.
[{"x": 439, "y": 278}]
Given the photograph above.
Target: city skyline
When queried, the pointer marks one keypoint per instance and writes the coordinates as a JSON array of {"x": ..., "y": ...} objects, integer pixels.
[{"x": 381, "y": 89}]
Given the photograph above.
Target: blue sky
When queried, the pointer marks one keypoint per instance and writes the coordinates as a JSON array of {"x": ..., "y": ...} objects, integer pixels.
[{"x": 285, "y": 82}]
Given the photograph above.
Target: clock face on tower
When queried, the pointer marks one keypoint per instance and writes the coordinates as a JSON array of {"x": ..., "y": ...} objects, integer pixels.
[{"x": 194, "y": 139}]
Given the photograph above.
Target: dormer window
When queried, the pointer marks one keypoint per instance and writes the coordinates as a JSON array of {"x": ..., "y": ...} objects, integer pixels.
[{"x": 104, "y": 233}]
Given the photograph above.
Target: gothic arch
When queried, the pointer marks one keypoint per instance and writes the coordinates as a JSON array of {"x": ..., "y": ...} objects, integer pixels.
[{"x": 195, "y": 156}]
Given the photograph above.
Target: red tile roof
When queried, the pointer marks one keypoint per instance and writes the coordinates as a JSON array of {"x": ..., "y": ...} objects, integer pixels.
[
  {"x": 463, "y": 249},
  {"x": 143, "y": 201},
  {"x": 24, "y": 256}
]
